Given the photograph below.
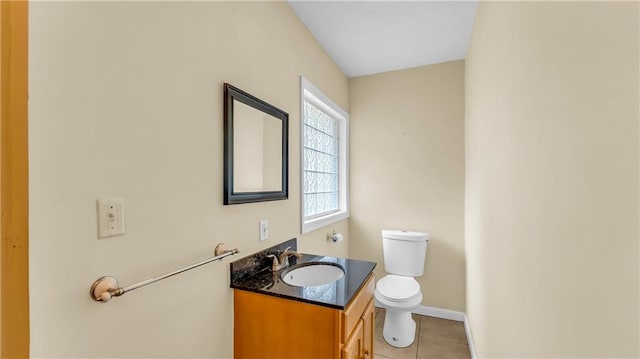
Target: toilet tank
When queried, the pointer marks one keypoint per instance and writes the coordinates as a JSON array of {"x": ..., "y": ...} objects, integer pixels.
[{"x": 404, "y": 252}]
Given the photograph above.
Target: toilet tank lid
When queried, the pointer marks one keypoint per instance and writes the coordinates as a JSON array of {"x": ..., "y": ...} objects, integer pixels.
[{"x": 405, "y": 235}]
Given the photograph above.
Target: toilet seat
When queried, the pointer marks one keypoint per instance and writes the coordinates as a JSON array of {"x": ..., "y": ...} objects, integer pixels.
[{"x": 395, "y": 288}]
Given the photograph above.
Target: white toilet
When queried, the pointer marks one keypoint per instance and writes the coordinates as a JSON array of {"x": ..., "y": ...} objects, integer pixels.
[{"x": 398, "y": 292}]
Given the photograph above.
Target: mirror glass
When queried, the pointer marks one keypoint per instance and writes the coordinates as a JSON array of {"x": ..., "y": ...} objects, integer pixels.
[{"x": 256, "y": 149}]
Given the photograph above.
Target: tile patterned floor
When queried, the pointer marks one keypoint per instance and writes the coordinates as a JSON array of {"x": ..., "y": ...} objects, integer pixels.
[{"x": 435, "y": 339}]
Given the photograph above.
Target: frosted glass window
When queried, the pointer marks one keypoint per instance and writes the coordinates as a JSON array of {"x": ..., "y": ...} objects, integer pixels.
[
  {"x": 324, "y": 170},
  {"x": 320, "y": 146}
]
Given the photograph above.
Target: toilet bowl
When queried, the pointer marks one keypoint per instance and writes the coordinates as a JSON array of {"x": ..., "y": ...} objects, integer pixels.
[{"x": 398, "y": 292}]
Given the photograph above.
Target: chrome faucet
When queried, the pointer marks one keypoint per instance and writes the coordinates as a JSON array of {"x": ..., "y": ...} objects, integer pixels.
[{"x": 283, "y": 260}]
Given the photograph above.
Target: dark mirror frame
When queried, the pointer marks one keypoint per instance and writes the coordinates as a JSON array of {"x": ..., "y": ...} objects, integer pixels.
[{"x": 230, "y": 197}]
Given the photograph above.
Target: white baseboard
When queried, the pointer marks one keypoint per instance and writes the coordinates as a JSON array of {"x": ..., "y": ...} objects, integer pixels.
[
  {"x": 440, "y": 313},
  {"x": 449, "y": 315},
  {"x": 467, "y": 330},
  {"x": 434, "y": 312}
]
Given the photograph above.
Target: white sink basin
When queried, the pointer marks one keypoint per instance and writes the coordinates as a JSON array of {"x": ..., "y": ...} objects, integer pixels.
[{"x": 311, "y": 274}]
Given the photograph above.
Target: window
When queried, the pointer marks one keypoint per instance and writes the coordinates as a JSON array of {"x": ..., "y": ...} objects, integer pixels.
[{"x": 324, "y": 169}]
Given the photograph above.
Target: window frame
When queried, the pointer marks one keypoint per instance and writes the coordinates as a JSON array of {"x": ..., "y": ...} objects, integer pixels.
[{"x": 320, "y": 100}]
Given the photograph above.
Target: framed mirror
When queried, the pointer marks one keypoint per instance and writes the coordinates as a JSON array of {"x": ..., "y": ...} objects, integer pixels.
[{"x": 256, "y": 149}]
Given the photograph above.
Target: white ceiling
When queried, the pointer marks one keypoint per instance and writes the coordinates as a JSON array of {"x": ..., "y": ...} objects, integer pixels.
[{"x": 368, "y": 37}]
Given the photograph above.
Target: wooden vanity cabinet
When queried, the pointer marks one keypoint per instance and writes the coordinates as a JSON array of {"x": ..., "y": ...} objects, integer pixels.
[
  {"x": 354, "y": 347},
  {"x": 368, "y": 327},
  {"x": 271, "y": 327},
  {"x": 360, "y": 343}
]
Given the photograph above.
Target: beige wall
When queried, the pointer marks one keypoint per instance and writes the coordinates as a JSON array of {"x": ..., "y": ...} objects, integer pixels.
[
  {"x": 407, "y": 170},
  {"x": 552, "y": 180},
  {"x": 126, "y": 100}
]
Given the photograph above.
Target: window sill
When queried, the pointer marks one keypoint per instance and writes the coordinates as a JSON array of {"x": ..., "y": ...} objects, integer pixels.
[{"x": 315, "y": 223}]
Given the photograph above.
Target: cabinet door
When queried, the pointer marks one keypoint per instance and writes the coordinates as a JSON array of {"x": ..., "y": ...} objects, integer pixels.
[
  {"x": 369, "y": 325},
  {"x": 352, "y": 349},
  {"x": 352, "y": 314}
]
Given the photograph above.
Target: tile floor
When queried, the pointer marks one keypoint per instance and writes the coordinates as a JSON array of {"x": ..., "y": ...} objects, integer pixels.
[{"x": 435, "y": 339}]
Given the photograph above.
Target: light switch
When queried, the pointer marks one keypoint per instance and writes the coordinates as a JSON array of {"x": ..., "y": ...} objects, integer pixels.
[
  {"x": 264, "y": 230},
  {"x": 110, "y": 217}
]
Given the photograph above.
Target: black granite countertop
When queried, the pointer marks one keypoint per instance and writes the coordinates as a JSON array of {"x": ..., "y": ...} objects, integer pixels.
[{"x": 253, "y": 273}]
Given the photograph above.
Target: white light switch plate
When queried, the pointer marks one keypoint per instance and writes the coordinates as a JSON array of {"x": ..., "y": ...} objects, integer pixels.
[
  {"x": 264, "y": 230},
  {"x": 110, "y": 217}
]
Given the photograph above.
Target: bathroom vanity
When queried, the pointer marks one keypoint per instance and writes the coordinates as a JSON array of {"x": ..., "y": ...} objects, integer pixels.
[{"x": 273, "y": 319}]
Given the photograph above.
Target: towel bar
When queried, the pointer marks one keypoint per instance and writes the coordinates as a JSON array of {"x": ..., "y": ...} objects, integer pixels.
[{"x": 106, "y": 287}]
